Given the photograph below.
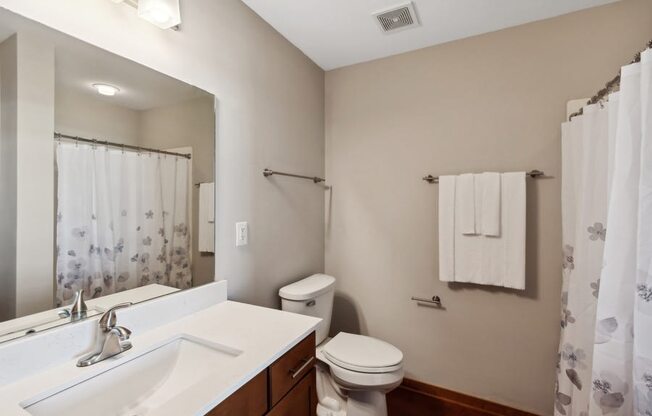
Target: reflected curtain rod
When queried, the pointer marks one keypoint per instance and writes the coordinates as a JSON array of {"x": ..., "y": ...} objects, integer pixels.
[
  {"x": 610, "y": 86},
  {"x": 58, "y": 136}
]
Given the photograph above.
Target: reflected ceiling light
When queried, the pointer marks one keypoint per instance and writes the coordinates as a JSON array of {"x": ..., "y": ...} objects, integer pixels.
[
  {"x": 162, "y": 13},
  {"x": 106, "y": 89}
]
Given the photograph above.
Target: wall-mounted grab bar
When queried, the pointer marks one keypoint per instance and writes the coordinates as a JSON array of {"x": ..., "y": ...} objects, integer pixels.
[
  {"x": 269, "y": 172},
  {"x": 532, "y": 174}
]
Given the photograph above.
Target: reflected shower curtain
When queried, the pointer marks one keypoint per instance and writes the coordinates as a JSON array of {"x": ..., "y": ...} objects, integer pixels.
[
  {"x": 605, "y": 356},
  {"x": 122, "y": 221}
]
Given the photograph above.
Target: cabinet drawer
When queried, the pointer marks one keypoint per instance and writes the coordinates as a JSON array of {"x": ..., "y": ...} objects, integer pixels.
[
  {"x": 288, "y": 370},
  {"x": 301, "y": 400},
  {"x": 249, "y": 400}
]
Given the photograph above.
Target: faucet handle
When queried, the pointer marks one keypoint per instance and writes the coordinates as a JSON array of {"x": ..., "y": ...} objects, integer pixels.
[
  {"x": 122, "y": 332},
  {"x": 109, "y": 320}
]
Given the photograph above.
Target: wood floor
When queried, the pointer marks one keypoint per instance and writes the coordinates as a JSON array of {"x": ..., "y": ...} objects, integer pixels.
[{"x": 414, "y": 398}]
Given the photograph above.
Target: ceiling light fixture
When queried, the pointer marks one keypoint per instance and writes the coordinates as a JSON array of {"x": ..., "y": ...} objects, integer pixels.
[
  {"x": 162, "y": 13},
  {"x": 165, "y": 14},
  {"x": 106, "y": 89}
]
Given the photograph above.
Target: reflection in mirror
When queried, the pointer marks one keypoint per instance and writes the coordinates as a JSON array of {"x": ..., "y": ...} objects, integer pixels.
[{"x": 106, "y": 176}]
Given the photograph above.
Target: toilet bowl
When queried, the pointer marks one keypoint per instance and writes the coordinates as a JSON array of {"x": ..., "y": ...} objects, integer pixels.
[{"x": 354, "y": 372}]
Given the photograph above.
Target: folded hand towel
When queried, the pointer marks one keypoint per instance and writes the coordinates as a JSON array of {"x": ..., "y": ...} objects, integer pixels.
[
  {"x": 465, "y": 209},
  {"x": 490, "y": 215},
  {"x": 447, "y": 228}
]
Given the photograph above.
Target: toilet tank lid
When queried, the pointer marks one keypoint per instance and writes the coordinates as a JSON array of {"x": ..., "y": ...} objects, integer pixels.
[{"x": 308, "y": 288}]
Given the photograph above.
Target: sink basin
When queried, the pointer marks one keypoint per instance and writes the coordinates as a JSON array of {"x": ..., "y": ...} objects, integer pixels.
[{"x": 140, "y": 385}]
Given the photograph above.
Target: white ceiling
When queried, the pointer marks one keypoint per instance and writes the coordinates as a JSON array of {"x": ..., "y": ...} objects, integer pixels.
[
  {"x": 78, "y": 65},
  {"x": 336, "y": 33}
]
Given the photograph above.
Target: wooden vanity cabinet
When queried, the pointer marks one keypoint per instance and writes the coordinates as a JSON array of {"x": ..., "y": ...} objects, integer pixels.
[
  {"x": 249, "y": 400},
  {"x": 300, "y": 401},
  {"x": 288, "y": 387}
]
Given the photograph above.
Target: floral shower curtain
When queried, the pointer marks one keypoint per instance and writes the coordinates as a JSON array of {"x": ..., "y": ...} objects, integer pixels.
[
  {"x": 605, "y": 365},
  {"x": 122, "y": 220}
]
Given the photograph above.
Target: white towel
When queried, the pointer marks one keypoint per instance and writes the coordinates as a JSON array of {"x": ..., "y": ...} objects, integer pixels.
[
  {"x": 497, "y": 261},
  {"x": 465, "y": 208},
  {"x": 513, "y": 202},
  {"x": 206, "y": 237},
  {"x": 447, "y": 228},
  {"x": 490, "y": 212}
]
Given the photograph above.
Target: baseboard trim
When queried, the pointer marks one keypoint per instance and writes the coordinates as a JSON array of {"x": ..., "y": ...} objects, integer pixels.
[{"x": 415, "y": 398}]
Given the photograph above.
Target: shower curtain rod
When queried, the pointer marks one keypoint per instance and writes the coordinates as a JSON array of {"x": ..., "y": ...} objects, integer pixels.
[
  {"x": 59, "y": 136},
  {"x": 609, "y": 86}
]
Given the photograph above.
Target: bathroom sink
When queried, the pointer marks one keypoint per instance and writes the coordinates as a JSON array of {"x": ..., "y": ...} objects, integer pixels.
[{"x": 138, "y": 386}]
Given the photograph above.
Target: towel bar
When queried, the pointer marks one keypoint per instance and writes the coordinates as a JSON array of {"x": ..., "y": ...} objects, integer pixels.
[
  {"x": 532, "y": 174},
  {"x": 269, "y": 172}
]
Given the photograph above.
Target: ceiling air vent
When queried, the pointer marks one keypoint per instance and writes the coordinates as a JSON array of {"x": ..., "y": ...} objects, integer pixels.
[{"x": 397, "y": 18}]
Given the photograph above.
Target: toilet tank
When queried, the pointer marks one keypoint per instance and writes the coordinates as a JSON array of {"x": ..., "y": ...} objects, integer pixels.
[{"x": 312, "y": 296}]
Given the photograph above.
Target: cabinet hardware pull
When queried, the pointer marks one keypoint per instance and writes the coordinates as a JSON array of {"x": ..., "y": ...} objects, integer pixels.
[{"x": 296, "y": 372}]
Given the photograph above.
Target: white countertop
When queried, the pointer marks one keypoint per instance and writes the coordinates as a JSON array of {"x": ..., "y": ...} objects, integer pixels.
[{"x": 262, "y": 334}]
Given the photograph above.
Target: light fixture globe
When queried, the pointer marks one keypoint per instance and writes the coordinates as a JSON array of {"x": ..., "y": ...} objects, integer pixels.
[
  {"x": 106, "y": 89},
  {"x": 162, "y": 13}
]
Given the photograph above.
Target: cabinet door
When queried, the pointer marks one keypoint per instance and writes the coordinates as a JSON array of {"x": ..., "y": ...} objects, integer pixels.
[
  {"x": 286, "y": 372},
  {"x": 250, "y": 400},
  {"x": 301, "y": 400}
]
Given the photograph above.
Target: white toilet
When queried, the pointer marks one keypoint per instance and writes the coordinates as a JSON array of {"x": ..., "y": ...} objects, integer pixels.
[{"x": 354, "y": 372}]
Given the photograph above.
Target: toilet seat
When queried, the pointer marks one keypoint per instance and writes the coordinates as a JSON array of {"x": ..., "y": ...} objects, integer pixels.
[
  {"x": 362, "y": 354},
  {"x": 355, "y": 380}
]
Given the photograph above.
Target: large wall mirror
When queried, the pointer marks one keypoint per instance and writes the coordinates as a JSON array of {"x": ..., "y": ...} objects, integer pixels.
[{"x": 106, "y": 180}]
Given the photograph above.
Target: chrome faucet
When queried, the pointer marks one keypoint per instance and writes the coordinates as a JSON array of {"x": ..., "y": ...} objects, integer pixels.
[
  {"x": 78, "y": 308},
  {"x": 111, "y": 339}
]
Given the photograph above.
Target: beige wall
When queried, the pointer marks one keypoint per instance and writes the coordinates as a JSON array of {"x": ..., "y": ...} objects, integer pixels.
[
  {"x": 27, "y": 157},
  {"x": 8, "y": 150},
  {"x": 492, "y": 102},
  {"x": 88, "y": 116},
  {"x": 192, "y": 124},
  {"x": 270, "y": 114},
  {"x": 35, "y": 161}
]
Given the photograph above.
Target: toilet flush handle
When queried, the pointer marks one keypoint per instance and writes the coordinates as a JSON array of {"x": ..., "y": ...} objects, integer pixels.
[{"x": 311, "y": 303}]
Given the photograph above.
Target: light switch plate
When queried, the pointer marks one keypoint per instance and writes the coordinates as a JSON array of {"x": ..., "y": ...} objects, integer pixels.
[{"x": 241, "y": 234}]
